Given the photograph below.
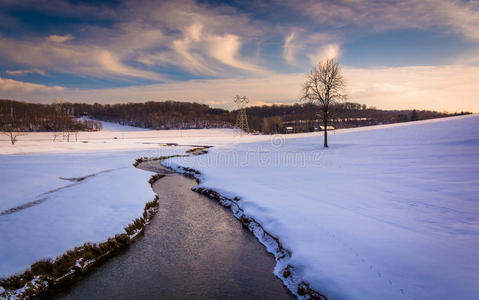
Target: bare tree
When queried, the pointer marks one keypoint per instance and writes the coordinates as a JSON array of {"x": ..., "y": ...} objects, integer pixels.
[
  {"x": 55, "y": 135},
  {"x": 10, "y": 131},
  {"x": 64, "y": 121},
  {"x": 66, "y": 134},
  {"x": 9, "y": 127},
  {"x": 324, "y": 86}
]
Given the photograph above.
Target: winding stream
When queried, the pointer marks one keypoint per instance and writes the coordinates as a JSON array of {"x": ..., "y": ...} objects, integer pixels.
[{"x": 193, "y": 249}]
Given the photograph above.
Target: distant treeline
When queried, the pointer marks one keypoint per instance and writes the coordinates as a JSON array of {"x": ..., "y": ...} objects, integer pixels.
[
  {"x": 185, "y": 115},
  {"x": 159, "y": 115},
  {"x": 305, "y": 117},
  {"x": 59, "y": 117}
]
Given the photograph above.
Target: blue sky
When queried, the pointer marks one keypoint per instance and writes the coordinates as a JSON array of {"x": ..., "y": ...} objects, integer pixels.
[{"x": 394, "y": 54}]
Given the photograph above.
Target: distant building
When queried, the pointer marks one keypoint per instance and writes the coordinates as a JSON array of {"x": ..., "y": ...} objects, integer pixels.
[
  {"x": 321, "y": 128},
  {"x": 300, "y": 126},
  {"x": 289, "y": 129}
]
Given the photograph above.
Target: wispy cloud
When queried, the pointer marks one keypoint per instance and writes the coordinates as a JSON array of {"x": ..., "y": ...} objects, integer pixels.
[
  {"x": 199, "y": 38},
  {"x": 185, "y": 47},
  {"x": 111, "y": 64},
  {"x": 11, "y": 86},
  {"x": 209, "y": 40},
  {"x": 204, "y": 52},
  {"x": 226, "y": 48},
  {"x": 377, "y": 15},
  {"x": 25, "y": 72},
  {"x": 289, "y": 49},
  {"x": 59, "y": 38},
  {"x": 329, "y": 51},
  {"x": 462, "y": 17},
  {"x": 76, "y": 59}
]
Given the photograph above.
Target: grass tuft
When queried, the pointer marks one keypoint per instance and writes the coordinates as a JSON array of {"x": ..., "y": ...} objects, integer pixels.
[{"x": 154, "y": 178}]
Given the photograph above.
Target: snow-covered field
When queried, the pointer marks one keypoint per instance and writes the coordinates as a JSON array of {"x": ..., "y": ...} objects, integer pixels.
[
  {"x": 42, "y": 142},
  {"x": 387, "y": 212},
  {"x": 42, "y": 215},
  {"x": 45, "y": 210},
  {"x": 110, "y": 126}
]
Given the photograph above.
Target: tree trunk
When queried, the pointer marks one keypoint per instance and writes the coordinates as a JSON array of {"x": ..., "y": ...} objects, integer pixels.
[{"x": 325, "y": 121}]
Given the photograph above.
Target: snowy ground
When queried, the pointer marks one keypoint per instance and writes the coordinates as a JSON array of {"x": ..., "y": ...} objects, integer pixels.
[
  {"x": 42, "y": 215},
  {"x": 388, "y": 212},
  {"x": 42, "y": 142},
  {"x": 45, "y": 210},
  {"x": 110, "y": 126}
]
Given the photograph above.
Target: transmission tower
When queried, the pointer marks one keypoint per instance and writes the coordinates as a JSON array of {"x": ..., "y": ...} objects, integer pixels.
[{"x": 242, "y": 119}]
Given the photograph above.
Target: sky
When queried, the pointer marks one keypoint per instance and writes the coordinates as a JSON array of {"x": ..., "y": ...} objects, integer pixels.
[{"x": 421, "y": 54}]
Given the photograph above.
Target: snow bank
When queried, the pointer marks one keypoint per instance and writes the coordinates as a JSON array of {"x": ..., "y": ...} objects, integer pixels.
[{"x": 387, "y": 212}]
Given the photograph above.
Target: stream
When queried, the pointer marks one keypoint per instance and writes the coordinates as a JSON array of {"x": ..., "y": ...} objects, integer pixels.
[{"x": 193, "y": 249}]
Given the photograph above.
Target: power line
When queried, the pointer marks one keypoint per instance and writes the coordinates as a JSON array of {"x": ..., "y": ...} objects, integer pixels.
[{"x": 242, "y": 119}]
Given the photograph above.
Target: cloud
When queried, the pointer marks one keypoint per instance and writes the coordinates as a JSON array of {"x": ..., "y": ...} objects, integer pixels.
[
  {"x": 299, "y": 42},
  {"x": 25, "y": 72},
  {"x": 194, "y": 32},
  {"x": 289, "y": 49},
  {"x": 59, "y": 38},
  {"x": 113, "y": 65},
  {"x": 377, "y": 15},
  {"x": 150, "y": 39},
  {"x": 226, "y": 50},
  {"x": 451, "y": 88},
  {"x": 203, "y": 52},
  {"x": 185, "y": 47},
  {"x": 462, "y": 17},
  {"x": 15, "y": 87},
  {"x": 203, "y": 39},
  {"x": 75, "y": 59},
  {"x": 329, "y": 51}
]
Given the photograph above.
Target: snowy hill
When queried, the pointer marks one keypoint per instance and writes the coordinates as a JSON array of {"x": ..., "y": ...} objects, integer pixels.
[
  {"x": 110, "y": 126},
  {"x": 387, "y": 212}
]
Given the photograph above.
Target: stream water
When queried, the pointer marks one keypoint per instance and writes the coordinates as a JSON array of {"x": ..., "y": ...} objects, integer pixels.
[{"x": 192, "y": 249}]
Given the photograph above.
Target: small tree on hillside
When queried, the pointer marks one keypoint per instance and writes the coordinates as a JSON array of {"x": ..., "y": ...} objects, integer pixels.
[
  {"x": 12, "y": 132},
  {"x": 9, "y": 127},
  {"x": 324, "y": 86}
]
